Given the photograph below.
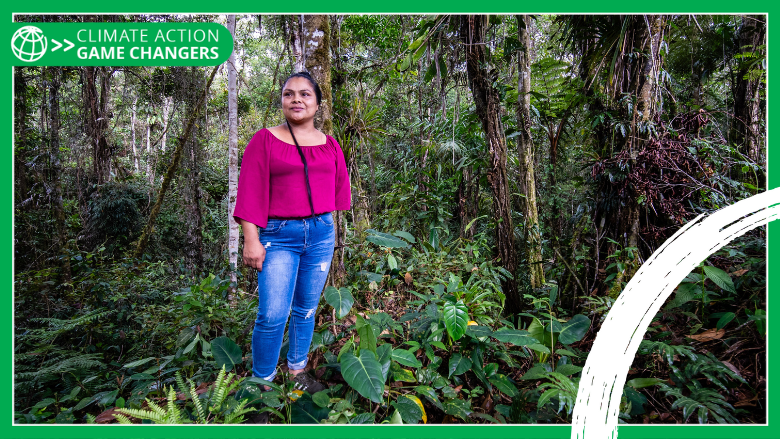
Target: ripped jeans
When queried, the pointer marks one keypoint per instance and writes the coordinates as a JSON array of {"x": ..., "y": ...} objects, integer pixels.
[{"x": 297, "y": 261}]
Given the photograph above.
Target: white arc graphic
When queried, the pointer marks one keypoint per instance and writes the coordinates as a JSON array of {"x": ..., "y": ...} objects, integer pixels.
[
  {"x": 58, "y": 44},
  {"x": 601, "y": 387},
  {"x": 70, "y": 45}
]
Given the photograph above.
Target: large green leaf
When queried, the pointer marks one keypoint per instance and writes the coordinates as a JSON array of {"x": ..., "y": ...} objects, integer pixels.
[
  {"x": 385, "y": 240},
  {"x": 366, "y": 334},
  {"x": 391, "y": 262},
  {"x": 226, "y": 352},
  {"x": 503, "y": 384},
  {"x": 430, "y": 394},
  {"x": 546, "y": 338},
  {"x": 568, "y": 369},
  {"x": 363, "y": 418},
  {"x": 640, "y": 383},
  {"x": 720, "y": 277},
  {"x": 405, "y": 235},
  {"x": 458, "y": 365},
  {"x": 514, "y": 336},
  {"x": 459, "y": 408},
  {"x": 305, "y": 411},
  {"x": 363, "y": 374},
  {"x": 410, "y": 412},
  {"x": 456, "y": 318},
  {"x": 685, "y": 293},
  {"x": 401, "y": 374},
  {"x": 384, "y": 355},
  {"x": 406, "y": 358},
  {"x": 478, "y": 331},
  {"x": 724, "y": 320},
  {"x": 138, "y": 362},
  {"x": 340, "y": 299},
  {"x": 574, "y": 330},
  {"x": 535, "y": 373}
]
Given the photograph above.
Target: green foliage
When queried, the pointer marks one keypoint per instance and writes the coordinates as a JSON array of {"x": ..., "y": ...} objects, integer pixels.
[
  {"x": 561, "y": 388},
  {"x": 340, "y": 299},
  {"x": 214, "y": 407},
  {"x": 704, "y": 402},
  {"x": 115, "y": 212}
]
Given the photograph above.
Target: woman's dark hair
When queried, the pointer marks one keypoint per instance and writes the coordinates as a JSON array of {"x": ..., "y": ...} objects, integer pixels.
[{"x": 307, "y": 76}]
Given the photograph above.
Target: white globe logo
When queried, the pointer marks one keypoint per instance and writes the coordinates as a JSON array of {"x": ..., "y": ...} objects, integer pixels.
[{"x": 29, "y": 44}]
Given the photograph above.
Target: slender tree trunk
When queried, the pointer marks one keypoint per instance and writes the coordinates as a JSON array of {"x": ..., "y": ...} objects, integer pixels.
[
  {"x": 645, "y": 90},
  {"x": 525, "y": 154},
  {"x": 132, "y": 130},
  {"x": 167, "y": 103},
  {"x": 54, "y": 76},
  {"x": 149, "y": 172},
  {"x": 488, "y": 106},
  {"x": 176, "y": 159},
  {"x": 20, "y": 137},
  {"x": 233, "y": 232}
]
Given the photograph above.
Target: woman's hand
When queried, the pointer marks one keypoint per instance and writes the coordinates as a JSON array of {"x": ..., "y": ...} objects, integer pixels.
[{"x": 254, "y": 254}]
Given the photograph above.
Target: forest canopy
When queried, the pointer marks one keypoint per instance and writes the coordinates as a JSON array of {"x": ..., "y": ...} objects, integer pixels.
[{"x": 509, "y": 176}]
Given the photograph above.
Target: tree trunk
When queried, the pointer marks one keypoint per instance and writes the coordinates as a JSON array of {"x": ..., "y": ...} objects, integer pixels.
[
  {"x": 20, "y": 137},
  {"x": 315, "y": 57},
  {"x": 132, "y": 129},
  {"x": 97, "y": 119},
  {"x": 233, "y": 232},
  {"x": 316, "y": 52},
  {"x": 54, "y": 76},
  {"x": 525, "y": 154},
  {"x": 167, "y": 103},
  {"x": 488, "y": 106},
  {"x": 191, "y": 188},
  {"x": 645, "y": 89},
  {"x": 175, "y": 160},
  {"x": 746, "y": 128}
]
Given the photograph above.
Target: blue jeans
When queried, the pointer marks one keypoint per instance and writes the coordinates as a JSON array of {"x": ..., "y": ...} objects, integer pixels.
[{"x": 297, "y": 261}]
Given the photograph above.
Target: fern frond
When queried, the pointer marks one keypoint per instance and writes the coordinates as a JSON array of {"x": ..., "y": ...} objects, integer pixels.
[
  {"x": 669, "y": 351},
  {"x": 237, "y": 416},
  {"x": 57, "y": 327},
  {"x": 155, "y": 408},
  {"x": 219, "y": 390},
  {"x": 153, "y": 416},
  {"x": 198, "y": 404},
  {"x": 122, "y": 419},
  {"x": 561, "y": 387},
  {"x": 174, "y": 413}
]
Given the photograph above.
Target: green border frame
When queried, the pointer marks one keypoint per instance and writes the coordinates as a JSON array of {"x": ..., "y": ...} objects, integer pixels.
[{"x": 7, "y": 429}]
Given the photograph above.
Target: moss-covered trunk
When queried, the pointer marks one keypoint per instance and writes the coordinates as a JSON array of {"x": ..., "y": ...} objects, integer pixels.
[
  {"x": 525, "y": 154},
  {"x": 488, "y": 106}
]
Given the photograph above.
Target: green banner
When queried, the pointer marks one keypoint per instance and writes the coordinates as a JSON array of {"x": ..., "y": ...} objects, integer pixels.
[{"x": 126, "y": 44}]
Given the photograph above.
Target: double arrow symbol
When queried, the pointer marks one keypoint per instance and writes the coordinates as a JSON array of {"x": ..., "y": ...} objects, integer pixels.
[{"x": 58, "y": 45}]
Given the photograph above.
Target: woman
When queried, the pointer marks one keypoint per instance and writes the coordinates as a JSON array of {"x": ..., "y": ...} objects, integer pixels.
[{"x": 292, "y": 178}]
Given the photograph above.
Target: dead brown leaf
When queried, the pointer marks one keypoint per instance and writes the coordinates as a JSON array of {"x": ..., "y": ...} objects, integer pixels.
[
  {"x": 408, "y": 278},
  {"x": 739, "y": 273},
  {"x": 107, "y": 416},
  {"x": 709, "y": 335}
]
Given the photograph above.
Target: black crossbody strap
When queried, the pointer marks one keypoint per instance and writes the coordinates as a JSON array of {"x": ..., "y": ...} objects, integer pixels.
[{"x": 305, "y": 167}]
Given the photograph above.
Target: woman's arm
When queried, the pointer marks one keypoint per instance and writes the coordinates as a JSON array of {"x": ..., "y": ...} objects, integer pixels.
[{"x": 254, "y": 252}]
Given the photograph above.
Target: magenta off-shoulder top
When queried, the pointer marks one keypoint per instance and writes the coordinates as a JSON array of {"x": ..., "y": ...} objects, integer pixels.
[{"x": 272, "y": 183}]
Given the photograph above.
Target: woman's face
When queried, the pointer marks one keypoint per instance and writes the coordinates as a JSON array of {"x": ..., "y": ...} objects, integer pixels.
[{"x": 299, "y": 103}]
